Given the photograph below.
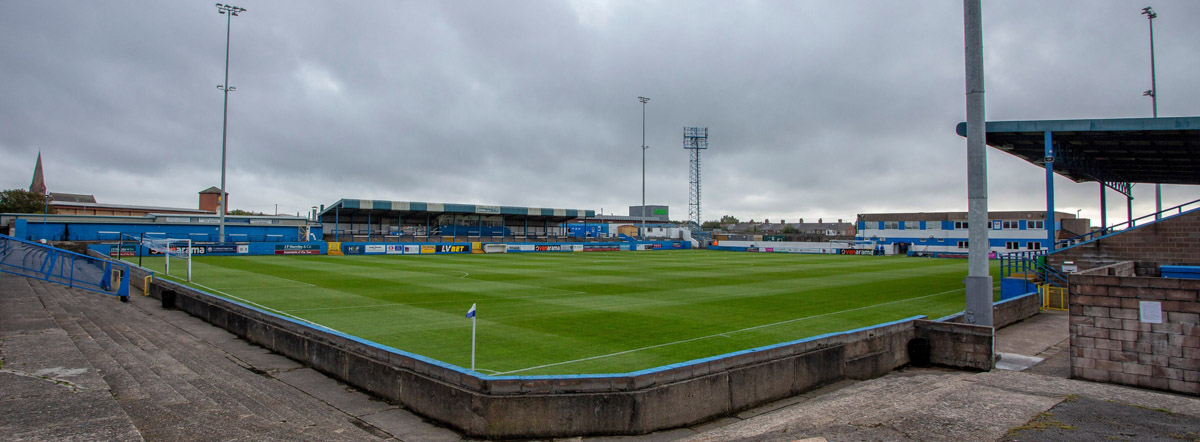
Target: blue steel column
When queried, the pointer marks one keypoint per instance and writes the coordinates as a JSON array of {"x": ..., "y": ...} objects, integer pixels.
[
  {"x": 1051, "y": 227},
  {"x": 336, "y": 223},
  {"x": 1103, "y": 209}
]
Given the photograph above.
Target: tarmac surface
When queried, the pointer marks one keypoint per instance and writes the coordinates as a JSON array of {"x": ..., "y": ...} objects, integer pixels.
[{"x": 77, "y": 365}]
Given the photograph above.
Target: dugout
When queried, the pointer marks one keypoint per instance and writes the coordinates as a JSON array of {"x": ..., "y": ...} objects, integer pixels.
[{"x": 407, "y": 221}]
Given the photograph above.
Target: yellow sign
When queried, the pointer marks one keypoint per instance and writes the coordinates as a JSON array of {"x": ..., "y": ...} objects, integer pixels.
[
  {"x": 335, "y": 248},
  {"x": 428, "y": 249}
]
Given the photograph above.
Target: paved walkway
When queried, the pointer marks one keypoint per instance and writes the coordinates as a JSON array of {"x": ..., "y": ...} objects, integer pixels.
[{"x": 82, "y": 366}]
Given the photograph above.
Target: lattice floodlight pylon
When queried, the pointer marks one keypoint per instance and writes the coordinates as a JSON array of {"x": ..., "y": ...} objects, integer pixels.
[{"x": 694, "y": 139}]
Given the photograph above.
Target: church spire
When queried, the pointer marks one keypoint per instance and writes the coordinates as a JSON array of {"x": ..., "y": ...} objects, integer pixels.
[{"x": 38, "y": 185}]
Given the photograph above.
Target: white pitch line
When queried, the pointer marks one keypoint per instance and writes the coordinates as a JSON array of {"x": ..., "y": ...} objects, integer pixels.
[
  {"x": 247, "y": 301},
  {"x": 720, "y": 334}
]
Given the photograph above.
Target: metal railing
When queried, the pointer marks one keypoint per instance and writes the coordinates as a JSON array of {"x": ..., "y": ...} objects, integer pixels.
[
  {"x": 1117, "y": 228},
  {"x": 40, "y": 261}
]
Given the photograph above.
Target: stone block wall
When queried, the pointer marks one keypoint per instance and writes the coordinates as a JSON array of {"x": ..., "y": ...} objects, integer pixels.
[
  {"x": 957, "y": 345},
  {"x": 1171, "y": 241},
  {"x": 1110, "y": 343}
]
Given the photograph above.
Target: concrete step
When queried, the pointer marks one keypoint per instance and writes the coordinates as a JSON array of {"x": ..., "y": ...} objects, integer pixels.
[
  {"x": 178, "y": 378},
  {"x": 183, "y": 376}
]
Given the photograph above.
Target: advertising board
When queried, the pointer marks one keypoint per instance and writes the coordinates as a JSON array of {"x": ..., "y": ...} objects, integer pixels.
[
  {"x": 297, "y": 249},
  {"x": 375, "y": 249},
  {"x": 428, "y": 249},
  {"x": 122, "y": 250},
  {"x": 453, "y": 248}
]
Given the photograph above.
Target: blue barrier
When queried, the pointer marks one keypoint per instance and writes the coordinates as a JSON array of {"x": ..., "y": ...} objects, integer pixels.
[{"x": 39, "y": 261}]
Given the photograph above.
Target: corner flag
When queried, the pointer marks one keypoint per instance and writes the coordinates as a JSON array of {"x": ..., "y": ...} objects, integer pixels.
[{"x": 471, "y": 314}]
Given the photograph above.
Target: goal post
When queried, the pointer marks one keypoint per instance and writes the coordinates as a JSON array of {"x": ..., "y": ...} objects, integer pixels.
[
  {"x": 171, "y": 248},
  {"x": 495, "y": 248}
]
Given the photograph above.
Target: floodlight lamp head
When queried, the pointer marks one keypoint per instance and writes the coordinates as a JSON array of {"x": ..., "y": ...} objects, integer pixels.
[
  {"x": 643, "y": 99},
  {"x": 1148, "y": 93},
  {"x": 1149, "y": 13}
]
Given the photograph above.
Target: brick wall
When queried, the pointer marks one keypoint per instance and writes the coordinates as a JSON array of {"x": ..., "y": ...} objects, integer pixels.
[
  {"x": 1109, "y": 343},
  {"x": 1173, "y": 240}
]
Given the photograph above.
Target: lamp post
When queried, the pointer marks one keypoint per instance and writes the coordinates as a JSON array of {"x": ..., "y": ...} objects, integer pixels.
[
  {"x": 1153, "y": 94},
  {"x": 229, "y": 11},
  {"x": 644, "y": 147}
]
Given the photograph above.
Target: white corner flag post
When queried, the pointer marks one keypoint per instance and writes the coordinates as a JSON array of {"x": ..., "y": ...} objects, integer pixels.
[{"x": 471, "y": 314}]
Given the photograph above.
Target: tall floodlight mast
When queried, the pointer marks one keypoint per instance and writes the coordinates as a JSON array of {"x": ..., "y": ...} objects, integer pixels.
[
  {"x": 642, "y": 232},
  {"x": 230, "y": 12},
  {"x": 1153, "y": 94},
  {"x": 695, "y": 139}
]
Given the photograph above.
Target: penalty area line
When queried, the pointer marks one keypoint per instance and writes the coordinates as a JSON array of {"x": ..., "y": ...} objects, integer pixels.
[{"x": 724, "y": 334}]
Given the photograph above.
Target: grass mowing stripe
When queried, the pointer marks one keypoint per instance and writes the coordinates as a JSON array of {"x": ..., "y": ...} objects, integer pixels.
[
  {"x": 544, "y": 309},
  {"x": 725, "y": 334}
]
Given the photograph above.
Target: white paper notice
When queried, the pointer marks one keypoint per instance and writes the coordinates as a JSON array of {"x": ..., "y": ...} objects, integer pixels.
[{"x": 1150, "y": 312}]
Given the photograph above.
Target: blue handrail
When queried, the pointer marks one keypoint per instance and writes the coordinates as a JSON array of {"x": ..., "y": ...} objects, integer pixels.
[
  {"x": 52, "y": 264},
  {"x": 1105, "y": 231}
]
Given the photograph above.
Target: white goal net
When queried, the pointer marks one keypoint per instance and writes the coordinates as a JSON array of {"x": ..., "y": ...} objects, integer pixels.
[{"x": 170, "y": 248}]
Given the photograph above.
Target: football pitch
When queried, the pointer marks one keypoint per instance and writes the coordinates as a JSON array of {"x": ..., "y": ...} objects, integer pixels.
[{"x": 585, "y": 313}]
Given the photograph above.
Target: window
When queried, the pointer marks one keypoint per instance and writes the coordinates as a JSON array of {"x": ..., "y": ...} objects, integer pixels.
[
  {"x": 891, "y": 225},
  {"x": 962, "y": 244},
  {"x": 1010, "y": 225},
  {"x": 1039, "y": 224},
  {"x": 995, "y": 224},
  {"x": 1033, "y": 245},
  {"x": 912, "y": 225},
  {"x": 1012, "y": 245},
  {"x": 960, "y": 224}
]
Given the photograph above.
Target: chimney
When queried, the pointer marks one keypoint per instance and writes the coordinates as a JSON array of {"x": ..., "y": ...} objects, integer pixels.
[
  {"x": 820, "y": 220},
  {"x": 801, "y": 220},
  {"x": 839, "y": 220}
]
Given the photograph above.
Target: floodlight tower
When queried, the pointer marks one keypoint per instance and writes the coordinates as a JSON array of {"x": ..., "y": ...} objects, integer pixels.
[
  {"x": 642, "y": 232},
  {"x": 230, "y": 11},
  {"x": 695, "y": 139},
  {"x": 1153, "y": 94}
]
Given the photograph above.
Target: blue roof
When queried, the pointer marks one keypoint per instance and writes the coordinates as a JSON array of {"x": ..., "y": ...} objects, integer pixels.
[{"x": 1163, "y": 150}]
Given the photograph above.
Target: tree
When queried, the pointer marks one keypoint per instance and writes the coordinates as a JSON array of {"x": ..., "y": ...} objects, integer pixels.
[
  {"x": 788, "y": 228},
  {"x": 241, "y": 212},
  {"x": 22, "y": 201},
  {"x": 729, "y": 219},
  {"x": 710, "y": 225}
]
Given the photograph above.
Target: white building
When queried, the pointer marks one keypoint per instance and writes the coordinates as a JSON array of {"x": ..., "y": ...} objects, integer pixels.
[{"x": 945, "y": 233}]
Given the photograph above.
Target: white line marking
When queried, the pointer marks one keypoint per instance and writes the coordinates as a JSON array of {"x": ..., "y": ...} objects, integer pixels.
[
  {"x": 247, "y": 301},
  {"x": 721, "y": 334}
]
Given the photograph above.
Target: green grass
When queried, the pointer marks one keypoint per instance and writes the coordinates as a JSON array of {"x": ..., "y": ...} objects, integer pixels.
[{"x": 596, "y": 312}]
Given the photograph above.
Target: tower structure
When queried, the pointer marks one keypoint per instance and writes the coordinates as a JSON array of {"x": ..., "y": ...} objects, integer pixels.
[{"x": 695, "y": 139}]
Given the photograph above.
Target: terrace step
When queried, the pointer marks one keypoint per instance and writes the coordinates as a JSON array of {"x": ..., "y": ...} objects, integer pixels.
[{"x": 172, "y": 384}]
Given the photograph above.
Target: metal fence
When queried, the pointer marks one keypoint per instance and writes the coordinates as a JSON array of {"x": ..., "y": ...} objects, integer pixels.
[{"x": 40, "y": 261}]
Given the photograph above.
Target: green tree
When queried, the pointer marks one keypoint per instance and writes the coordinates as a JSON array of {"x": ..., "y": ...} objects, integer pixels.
[
  {"x": 711, "y": 225},
  {"x": 241, "y": 212},
  {"x": 22, "y": 201},
  {"x": 788, "y": 228},
  {"x": 729, "y": 219}
]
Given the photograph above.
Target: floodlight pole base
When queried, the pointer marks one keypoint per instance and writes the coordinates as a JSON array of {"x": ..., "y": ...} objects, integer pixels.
[{"x": 979, "y": 301}]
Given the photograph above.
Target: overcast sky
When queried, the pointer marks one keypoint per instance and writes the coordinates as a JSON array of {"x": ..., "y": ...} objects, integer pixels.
[{"x": 815, "y": 109}]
